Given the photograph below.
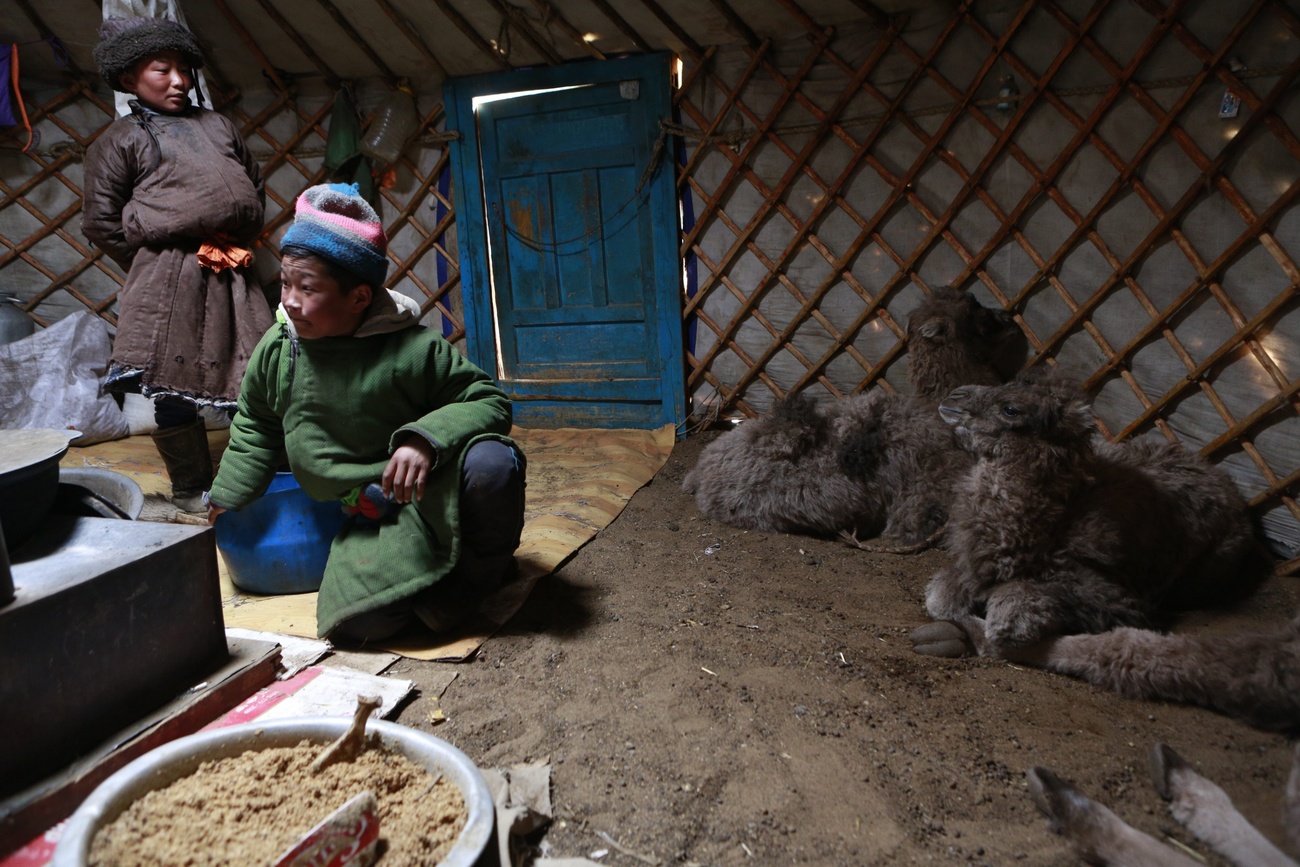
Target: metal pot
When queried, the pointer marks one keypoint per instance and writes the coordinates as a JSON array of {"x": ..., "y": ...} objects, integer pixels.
[
  {"x": 163, "y": 766},
  {"x": 29, "y": 478}
]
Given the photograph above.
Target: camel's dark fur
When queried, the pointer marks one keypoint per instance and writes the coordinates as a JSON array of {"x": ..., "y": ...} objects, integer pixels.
[
  {"x": 1051, "y": 536},
  {"x": 870, "y": 462}
]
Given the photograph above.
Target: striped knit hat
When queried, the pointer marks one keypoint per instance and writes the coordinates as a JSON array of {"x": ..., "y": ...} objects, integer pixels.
[{"x": 335, "y": 222}]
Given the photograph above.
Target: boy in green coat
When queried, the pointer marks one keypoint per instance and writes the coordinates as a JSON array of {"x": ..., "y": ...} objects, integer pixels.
[{"x": 385, "y": 416}]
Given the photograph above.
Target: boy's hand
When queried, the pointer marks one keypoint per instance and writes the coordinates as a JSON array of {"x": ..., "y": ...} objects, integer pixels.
[
  {"x": 213, "y": 511},
  {"x": 407, "y": 469}
]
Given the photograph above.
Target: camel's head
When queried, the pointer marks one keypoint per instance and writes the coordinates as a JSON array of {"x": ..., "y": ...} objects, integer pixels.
[
  {"x": 952, "y": 339},
  {"x": 1030, "y": 410}
]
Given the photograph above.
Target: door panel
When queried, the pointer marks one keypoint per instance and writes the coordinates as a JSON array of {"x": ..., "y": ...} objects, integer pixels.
[{"x": 573, "y": 271}]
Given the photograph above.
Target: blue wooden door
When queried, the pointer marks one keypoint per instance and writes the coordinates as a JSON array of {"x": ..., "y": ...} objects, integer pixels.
[{"x": 568, "y": 244}]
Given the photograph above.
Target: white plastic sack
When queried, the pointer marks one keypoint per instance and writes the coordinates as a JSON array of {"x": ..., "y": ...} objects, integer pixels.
[{"x": 52, "y": 380}]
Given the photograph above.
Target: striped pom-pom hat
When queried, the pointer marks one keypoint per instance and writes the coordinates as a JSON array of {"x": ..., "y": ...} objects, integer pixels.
[{"x": 335, "y": 222}]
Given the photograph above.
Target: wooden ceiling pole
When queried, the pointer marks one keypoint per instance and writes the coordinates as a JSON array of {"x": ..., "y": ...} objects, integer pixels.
[
  {"x": 512, "y": 16},
  {"x": 550, "y": 13},
  {"x": 414, "y": 38},
  {"x": 247, "y": 38},
  {"x": 692, "y": 47},
  {"x": 296, "y": 38},
  {"x": 471, "y": 34},
  {"x": 385, "y": 71},
  {"x": 737, "y": 23},
  {"x": 622, "y": 26}
]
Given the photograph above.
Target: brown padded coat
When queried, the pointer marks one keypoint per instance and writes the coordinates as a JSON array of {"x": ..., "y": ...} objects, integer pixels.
[{"x": 156, "y": 187}]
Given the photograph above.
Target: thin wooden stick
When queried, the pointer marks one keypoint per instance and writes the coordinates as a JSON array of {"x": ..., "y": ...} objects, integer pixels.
[
  {"x": 253, "y": 48},
  {"x": 622, "y": 25},
  {"x": 296, "y": 38},
  {"x": 414, "y": 38},
  {"x": 471, "y": 34},
  {"x": 390, "y": 78}
]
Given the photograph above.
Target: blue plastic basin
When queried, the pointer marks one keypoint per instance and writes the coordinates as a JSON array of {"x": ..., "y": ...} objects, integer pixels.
[{"x": 280, "y": 542}]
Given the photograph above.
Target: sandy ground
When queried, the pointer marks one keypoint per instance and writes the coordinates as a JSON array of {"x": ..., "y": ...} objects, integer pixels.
[{"x": 714, "y": 696}]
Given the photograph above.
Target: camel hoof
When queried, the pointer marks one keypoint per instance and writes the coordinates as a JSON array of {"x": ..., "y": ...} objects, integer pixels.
[
  {"x": 1163, "y": 761},
  {"x": 941, "y": 638},
  {"x": 1063, "y": 805}
]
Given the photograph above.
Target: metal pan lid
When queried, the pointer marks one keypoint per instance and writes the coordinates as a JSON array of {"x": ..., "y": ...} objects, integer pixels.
[{"x": 24, "y": 448}]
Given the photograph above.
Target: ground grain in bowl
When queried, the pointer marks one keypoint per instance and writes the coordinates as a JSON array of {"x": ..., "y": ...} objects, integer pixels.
[{"x": 248, "y": 809}]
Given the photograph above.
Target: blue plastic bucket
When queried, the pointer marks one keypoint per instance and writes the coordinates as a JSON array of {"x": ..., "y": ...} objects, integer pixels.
[{"x": 279, "y": 543}]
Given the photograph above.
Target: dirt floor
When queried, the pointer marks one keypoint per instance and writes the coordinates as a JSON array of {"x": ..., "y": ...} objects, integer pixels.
[{"x": 714, "y": 696}]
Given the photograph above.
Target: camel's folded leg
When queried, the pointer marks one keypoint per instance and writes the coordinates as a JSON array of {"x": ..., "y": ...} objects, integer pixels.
[
  {"x": 1098, "y": 835},
  {"x": 1207, "y": 811}
]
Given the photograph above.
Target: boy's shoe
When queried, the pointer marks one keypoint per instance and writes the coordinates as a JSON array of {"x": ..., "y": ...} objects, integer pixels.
[
  {"x": 191, "y": 502},
  {"x": 442, "y": 613},
  {"x": 453, "y": 600}
]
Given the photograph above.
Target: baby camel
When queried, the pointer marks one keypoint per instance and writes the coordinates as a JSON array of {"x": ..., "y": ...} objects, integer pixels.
[
  {"x": 1102, "y": 838},
  {"x": 1051, "y": 536},
  {"x": 870, "y": 461}
]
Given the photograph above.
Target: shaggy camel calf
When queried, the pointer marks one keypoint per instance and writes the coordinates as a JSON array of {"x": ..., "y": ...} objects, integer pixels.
[
  {"x": 1051, "y": 537},
  {"x": 872, "y": 462}
]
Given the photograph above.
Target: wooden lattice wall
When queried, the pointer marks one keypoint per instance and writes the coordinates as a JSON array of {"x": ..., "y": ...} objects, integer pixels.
[
  {"x": 55, "y": 271},
  {"x": 1062, "y": 158}
]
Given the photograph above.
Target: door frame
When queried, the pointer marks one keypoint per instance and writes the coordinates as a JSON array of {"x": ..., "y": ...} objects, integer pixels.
[{"x": 467, "y": 173}]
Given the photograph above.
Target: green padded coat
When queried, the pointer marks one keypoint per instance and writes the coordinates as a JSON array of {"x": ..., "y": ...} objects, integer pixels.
[{"x": 338, "y": 406}]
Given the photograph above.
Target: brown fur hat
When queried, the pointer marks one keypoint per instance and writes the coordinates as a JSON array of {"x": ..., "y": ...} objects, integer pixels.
[{"x": 124, "y": 42}]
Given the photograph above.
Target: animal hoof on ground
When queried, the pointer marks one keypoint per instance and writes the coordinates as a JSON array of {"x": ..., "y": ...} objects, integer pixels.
[
  {"x": 1163, "y": 762},
  {"x": 1064, "y": 806},
  {"x": 941, "y": 638}
]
